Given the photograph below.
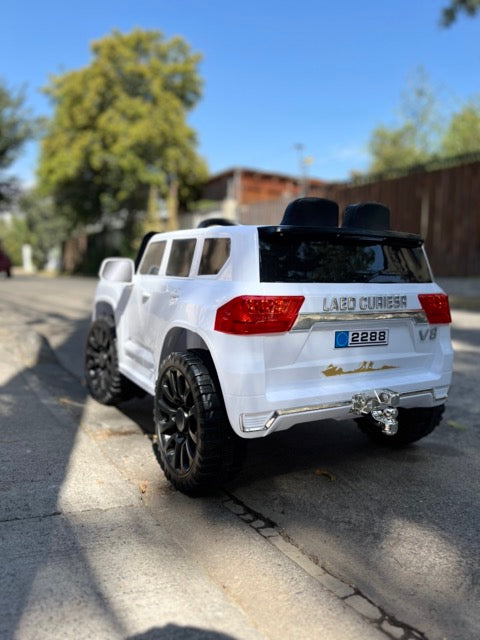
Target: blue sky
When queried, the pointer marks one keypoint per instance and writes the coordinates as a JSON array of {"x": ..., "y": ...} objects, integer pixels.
[{"x": 276, "y": 73}]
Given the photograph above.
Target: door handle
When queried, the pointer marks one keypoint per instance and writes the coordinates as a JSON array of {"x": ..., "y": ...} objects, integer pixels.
[{"x": 174, "y": 295}]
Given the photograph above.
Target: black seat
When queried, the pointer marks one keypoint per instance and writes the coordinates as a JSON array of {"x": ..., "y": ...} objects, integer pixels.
[
  {"x": 367, "y": 215},
  {"x": 216, "y": 222},
  {"x": 311, "y": 212}
]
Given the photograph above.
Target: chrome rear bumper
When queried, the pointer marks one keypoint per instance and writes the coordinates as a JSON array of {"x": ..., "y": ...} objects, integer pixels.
[{"x": 281, "y": 419}]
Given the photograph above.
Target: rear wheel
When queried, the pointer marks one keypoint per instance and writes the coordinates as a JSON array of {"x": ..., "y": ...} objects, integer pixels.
[
  {"x": 197, "y": 449},
  {"x": 104, "y": 381},
  {"x": 413, "y": 424}
]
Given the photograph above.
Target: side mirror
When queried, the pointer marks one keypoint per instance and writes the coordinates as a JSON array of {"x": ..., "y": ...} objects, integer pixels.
[{"x": 117, "y": 270}]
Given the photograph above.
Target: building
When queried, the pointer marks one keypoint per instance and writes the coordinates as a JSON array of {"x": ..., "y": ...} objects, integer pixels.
[{"x": 240, "y": 193}]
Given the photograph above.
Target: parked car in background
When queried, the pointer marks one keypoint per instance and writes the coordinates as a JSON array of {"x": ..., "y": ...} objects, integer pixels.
[{"x": 5, "y": 263}]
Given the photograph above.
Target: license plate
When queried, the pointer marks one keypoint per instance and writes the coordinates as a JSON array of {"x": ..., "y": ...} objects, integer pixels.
[{"x": 363, "y": 338}]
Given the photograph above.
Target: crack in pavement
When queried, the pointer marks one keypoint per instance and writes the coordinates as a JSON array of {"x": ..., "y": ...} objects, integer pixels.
[{"x": 36, "y": 517}]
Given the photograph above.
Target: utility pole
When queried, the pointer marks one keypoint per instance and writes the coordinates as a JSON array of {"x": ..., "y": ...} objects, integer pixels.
[{"x": 303, "y": 164}]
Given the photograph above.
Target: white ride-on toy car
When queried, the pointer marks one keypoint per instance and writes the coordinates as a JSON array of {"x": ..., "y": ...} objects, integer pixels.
[{"x": 240, "y": 331}]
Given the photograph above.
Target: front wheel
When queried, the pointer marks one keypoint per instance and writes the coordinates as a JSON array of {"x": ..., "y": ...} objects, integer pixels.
[
  {"x": 195, "y": 444},
  {"x": 413, "y": 424}
]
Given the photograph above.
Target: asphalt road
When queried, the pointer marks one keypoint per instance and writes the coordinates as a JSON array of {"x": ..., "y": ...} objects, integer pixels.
[{"x": 400, "y": 527}]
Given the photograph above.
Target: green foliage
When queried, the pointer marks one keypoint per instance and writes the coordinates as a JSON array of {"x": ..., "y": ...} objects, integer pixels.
[
  {"x": 203, "y": 205},
  {"x": 15, "y": 128},
  {"x": 13, "y": 235},
  {"x": 119, "y": 128},
  {"x": 414, "y": 141},
  {"x": 46, "y": 228},
  {"x": 395, "y": 149},
  {"x": 420, "y": 138},
  {"x": 463, "y": 133},
  {"x": 450, "y": 13},
  {"x": 420, "y": 110}
]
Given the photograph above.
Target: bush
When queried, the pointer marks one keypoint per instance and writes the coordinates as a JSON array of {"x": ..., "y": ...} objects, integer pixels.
[{"x": 13, "y": 235}]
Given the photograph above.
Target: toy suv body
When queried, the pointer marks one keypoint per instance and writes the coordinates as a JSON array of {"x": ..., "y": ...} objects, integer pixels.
[{"x": 241, "y": 331}]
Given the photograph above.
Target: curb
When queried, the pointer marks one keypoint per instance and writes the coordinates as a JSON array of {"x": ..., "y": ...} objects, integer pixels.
[{"x": 350, "y": 595}]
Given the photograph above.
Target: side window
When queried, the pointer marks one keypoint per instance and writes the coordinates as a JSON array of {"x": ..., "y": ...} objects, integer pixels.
[
  {"x": 181, "y": 256},
  {"x": 216, "y": 252},
  {"x": 152, "y": 259}
]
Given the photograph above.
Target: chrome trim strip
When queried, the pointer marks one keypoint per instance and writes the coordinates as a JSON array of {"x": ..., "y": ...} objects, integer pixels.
[
  {"x": 412, "y": 394},
  {"x": 292, "y": 412},
  {"x": 280, "y": 413},
  {"x": 306, "y": 321}
]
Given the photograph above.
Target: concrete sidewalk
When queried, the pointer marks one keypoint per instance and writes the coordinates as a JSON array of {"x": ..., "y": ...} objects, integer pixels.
[
  {"x": 95, "y": 544},
  {"x": 79, "y": 550}
]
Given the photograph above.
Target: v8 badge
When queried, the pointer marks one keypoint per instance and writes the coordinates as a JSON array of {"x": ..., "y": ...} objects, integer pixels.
[{"x": 428, "y": 334}]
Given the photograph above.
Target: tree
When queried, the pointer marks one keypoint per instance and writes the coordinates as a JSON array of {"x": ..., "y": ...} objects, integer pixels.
[
  {"x": 394, "y": 148},
  {"x": 13, "y": 235},
  {"x": 463, "y": 132},
  {"x": 414, "y": 141},
  {"x": 15, "y": 128},
  {"x": 119, "y": 128},
  {"x": 46, "y": 229},
  {"x": 450, "y": 13}
]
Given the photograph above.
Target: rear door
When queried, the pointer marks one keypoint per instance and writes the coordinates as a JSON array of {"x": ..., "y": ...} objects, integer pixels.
[{"x": 362, "y": 323}]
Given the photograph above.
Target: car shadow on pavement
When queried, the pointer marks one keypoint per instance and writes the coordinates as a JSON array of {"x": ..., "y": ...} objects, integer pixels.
[
  {"x": 175, "y": 632},
  {"x": 47, "y": 531},
  {"x": 77, "y": 544}
]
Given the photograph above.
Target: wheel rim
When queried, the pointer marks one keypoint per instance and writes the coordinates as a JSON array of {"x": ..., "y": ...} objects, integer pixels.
[
  {"x": 99, "y": 358},
  {"x": 177, "y": 421}
]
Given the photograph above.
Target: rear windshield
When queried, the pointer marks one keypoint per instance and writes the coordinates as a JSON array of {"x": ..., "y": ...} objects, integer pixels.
[{"x": 312, "y": 256}]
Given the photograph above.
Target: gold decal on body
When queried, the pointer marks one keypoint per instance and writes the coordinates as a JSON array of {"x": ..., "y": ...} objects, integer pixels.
[{"x": 365, "y": 367}]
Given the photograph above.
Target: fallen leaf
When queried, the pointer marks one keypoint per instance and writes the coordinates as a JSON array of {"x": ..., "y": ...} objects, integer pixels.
[
  {"x": 457, "y": 425},
  {"x": 67, "y": 401},
  {"x": 325, "y": 474}
]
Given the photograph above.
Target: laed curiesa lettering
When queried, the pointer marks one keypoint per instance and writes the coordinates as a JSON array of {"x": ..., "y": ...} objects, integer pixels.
[{"x": 364, "y": 303}]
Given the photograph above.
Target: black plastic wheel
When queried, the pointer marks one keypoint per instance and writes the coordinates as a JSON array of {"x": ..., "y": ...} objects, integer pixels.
[
  {"x": 196, "y": 447},
  {"x": 413, "y": 424},
  {"x": 104, "y": 381}
]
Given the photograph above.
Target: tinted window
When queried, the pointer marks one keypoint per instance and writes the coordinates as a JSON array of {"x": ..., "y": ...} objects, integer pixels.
[
  {"x": 181, "y": 256},
  {"x": 298, "y": 257},
  {"x": 152, "y": 259},
  {"x": 216, "y": 252}
]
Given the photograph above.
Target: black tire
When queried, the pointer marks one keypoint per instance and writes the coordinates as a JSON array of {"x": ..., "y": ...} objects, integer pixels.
[
  {"x": 413, "y": 424},
  {"x": 104, "y": 381},
  {"x": 196, "y": 446}
]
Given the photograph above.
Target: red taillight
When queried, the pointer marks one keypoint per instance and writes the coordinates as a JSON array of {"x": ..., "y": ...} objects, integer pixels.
[
  {"x": 436, "y": 307},
  {"x": 258, "y": 314}
]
